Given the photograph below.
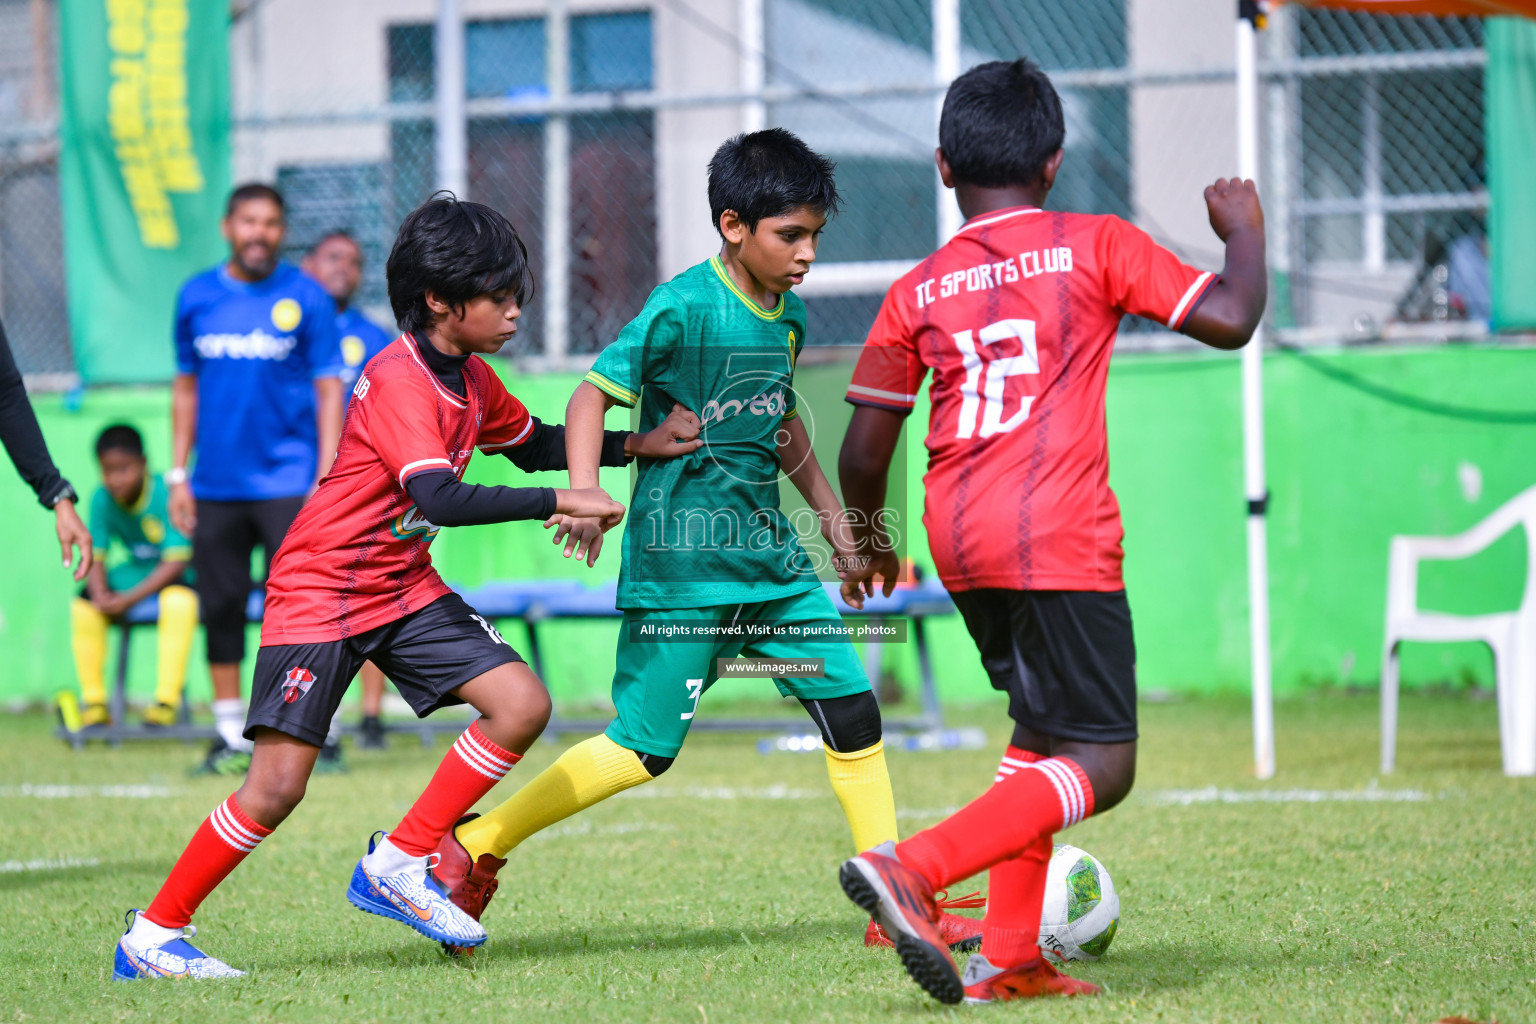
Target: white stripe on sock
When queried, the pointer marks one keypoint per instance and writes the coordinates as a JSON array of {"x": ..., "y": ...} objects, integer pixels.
[
  {"x": 1071, "y": 789},
  {"x": 472, "y": 756},
  {"x": 1045, "y": 768},
  {"x": 231, "y": 831},
  {"x": 483, "y": 747},
  {"x": 233, "y": 822}
]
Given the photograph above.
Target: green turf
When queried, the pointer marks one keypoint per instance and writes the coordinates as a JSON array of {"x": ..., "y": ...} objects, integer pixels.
[{"x": 711, "y": 895}]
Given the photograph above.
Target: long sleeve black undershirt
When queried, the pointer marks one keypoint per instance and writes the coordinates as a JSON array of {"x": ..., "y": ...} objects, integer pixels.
[
  {"x": 19, "y": 432},
  {"x": 445, "y": 500}
]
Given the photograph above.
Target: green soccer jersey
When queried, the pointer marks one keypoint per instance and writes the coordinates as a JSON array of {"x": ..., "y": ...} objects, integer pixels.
[
  {"x": 144, "y": 531},
  {"x": 706, "y": 529}
]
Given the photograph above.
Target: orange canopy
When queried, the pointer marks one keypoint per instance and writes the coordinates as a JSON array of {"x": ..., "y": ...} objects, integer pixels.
[{"x": 1439, "y": 8}]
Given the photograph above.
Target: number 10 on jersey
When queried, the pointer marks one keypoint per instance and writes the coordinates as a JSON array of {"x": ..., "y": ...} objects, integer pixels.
[{"x": 986, "y": 378}]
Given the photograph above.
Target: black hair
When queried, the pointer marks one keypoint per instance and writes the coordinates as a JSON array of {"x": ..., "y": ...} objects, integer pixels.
[
  {"x": 456, "y": 250},
  {"x": 333, "y": 233},
  {"x": 1001, "y": 123},
  {"x": 120, "y": 437},
  {"x": 768, "y": 174},
  {"x": 254, "y": 190}
]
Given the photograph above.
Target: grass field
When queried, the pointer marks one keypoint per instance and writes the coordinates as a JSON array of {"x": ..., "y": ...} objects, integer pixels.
[{"x": 711, "y": 895}]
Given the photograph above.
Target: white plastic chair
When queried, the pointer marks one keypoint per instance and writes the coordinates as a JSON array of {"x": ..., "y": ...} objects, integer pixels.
[{"x": 1510, "y": 635}]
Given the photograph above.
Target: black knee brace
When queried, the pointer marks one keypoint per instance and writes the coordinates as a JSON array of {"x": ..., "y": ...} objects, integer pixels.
[
  {"x": 654, "y": 765},
  {"x": 847, "y": 723}
]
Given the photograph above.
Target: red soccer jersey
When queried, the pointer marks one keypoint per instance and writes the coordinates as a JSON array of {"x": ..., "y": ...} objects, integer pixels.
[
  {"x": 1016, "y": 316},
  {"x": 356, "y": 557}
]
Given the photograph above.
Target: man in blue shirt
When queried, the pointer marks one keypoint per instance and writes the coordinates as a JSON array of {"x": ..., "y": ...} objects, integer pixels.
[
  {"x": 336, "y": 261},
  {"x": 258, "y": 392}
]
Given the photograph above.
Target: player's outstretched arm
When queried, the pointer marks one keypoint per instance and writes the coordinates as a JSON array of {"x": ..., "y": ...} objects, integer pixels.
[
  {"x": 863, "y": 466},
  {"x": 1230, "y": 311},
  {"x": 799, "y": 462}
]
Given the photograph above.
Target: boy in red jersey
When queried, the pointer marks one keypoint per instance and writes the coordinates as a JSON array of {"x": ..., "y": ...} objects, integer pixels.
[
  {"x": 1016, "y": 316},
  {"x": 354, "y": 581}
]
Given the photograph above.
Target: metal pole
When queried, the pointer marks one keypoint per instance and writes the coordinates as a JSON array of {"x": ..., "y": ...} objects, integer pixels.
[
  {"x": 754, "y": 114},
  {"x": 557, "y": 186},
  {"x": 946, "y": 68},
  {"x": 1253, "y": 438},
  {"x": 452, "y": 140}
]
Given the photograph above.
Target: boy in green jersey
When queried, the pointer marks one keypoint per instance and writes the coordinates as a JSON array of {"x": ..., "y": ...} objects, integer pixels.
[
  {"x": 130, "y": 508},
  {"x": 708, "y": 550}
]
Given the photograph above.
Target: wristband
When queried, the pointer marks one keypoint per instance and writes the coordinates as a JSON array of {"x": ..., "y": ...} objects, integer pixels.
[
  {"x": 66, "y": 493},
  {"x": 175, "y": 475}
]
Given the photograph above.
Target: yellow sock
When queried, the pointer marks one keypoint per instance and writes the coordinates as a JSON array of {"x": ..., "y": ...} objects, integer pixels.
[
  {"x": 588, "y": 773},
  {"x": 863, "y": 787},
  {"x": 88, "y": 636},
  {"x": 178, "y": 621}
]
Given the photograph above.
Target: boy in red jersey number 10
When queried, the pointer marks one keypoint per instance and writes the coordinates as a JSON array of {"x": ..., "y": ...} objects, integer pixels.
[
  {"x": 354, "y": 582},
  {"x": 1016, "y": 317}
]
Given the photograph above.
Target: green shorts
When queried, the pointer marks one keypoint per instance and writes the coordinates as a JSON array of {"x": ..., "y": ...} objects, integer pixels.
[{"x": 657, "y": 684}]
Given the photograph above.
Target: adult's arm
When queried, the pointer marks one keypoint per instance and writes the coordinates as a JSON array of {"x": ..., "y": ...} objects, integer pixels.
[
  {"x": 328, "y": 409},
  {"x": 22, "y": 436},
  {"x": 182, "y": 507}
]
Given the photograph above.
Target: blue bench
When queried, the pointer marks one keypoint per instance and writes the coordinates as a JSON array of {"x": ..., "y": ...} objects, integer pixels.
[{"x": 536, "y": 602}]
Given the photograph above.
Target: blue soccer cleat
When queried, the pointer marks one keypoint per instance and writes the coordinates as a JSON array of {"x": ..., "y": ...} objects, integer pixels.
[
  {"x": 393, "y": 884},
  {"x": 176, "y": 958}
]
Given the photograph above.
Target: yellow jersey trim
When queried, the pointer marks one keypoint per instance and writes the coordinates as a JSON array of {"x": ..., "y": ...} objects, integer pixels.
[
  {"x": 758, "y": 311},
  {"x": 611, "y": 388}
]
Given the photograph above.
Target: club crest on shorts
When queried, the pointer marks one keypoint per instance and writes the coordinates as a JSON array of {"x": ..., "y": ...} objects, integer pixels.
[{"x": 297, "y": 683}]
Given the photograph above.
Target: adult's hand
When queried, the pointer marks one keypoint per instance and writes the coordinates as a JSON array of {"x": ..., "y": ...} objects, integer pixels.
[
  {"x": 72, "y": 535},
  {"x": 183, "y": 508}
]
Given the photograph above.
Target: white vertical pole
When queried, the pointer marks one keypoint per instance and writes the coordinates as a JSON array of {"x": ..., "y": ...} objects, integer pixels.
[
  {"x": 557, "y": 185},
  {"x": 754, "y": 71},
  {"x": 946, "y": 68},
  {"x": 1253, "y": 438},
  {"x": 451, "y": 150},
  {"x": 1374, "y": 224}
]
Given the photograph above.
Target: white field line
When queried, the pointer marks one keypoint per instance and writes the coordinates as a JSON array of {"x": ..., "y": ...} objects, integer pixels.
[
  {"x": 581, "y": 828},
  {"x": 10, "y": 867},
  {"x": 48, "y": 791},
  {"x": 725, "y": 793},
  {"x": 1213, "y": 795}
]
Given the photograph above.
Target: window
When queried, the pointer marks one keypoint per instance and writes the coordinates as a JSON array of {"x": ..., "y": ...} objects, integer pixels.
[{"x": 613, "y": 258}]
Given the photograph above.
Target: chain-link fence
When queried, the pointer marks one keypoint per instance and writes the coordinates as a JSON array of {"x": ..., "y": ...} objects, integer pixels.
[{"x": 590, "y": 127}]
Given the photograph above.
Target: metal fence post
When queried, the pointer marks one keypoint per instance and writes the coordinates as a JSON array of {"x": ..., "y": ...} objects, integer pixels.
[
  {"x": 754, "y": 60},
  {"x": 946, "y": 68},
  {"x": 451, "y": 149},
  {"x": 557, "y": 184}
]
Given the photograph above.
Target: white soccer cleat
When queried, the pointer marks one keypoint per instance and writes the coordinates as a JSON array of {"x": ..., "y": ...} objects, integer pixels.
[
  {"x": 149, "y": 951},
  {"x": 393, "y": 884}
]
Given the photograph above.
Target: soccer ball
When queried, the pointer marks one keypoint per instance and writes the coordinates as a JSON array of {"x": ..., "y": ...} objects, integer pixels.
[{"x": 1081, "y": 909}]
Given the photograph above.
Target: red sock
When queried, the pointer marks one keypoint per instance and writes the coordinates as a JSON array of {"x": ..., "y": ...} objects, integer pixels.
[
  {"x": 220, "y": 843},
  {"x": 469, "y": 770},
  {"x": 1010, "y": 933},
  {"x": 1039, "y": 799}
]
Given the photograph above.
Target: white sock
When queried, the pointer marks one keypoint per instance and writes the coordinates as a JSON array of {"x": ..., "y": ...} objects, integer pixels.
[
  {"x": 333, "y": 734},
  {"x": 229, "y": 719},
  {"x": 145, "y": 934},
  {"x": 389, "y": 859}
]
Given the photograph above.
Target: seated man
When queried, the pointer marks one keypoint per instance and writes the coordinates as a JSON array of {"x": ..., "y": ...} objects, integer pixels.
[{"x": 130, "y": 508}]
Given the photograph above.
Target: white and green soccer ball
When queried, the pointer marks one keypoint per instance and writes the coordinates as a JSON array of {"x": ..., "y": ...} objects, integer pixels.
[{"x": 1081, "y": 909}]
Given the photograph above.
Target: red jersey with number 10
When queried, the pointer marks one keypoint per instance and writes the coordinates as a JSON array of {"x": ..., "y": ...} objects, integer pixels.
[
  {"x": 1016, "y": 317},
  {"x": 356, "y": 557}
]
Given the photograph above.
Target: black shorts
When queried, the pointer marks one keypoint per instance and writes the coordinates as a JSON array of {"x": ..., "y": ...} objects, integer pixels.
[
  {"x": 1066, "y": 659},
  {"x": 427, "y": 654}
]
